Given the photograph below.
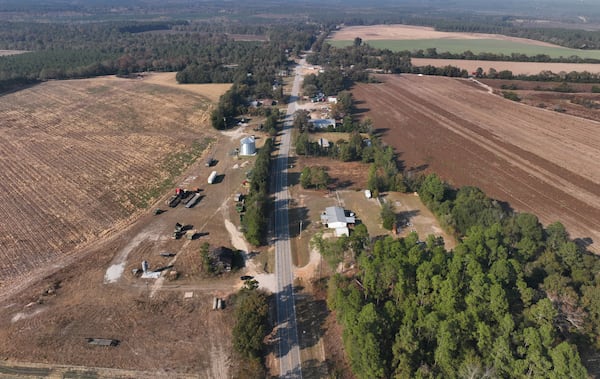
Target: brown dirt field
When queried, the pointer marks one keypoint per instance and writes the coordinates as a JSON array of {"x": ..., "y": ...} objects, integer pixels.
[
  {"x": 526, "y": 68},
  {"x": 211, "y": 91},
  {"x": 404, "y": 32},
  {"x": 537, "y": 160},
  {"x": 581, "y": 102},
  {"x": 78, "y": 159}
]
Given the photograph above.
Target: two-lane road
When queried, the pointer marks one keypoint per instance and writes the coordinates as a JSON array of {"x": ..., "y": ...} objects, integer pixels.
[{"x": 289, "y": 349}]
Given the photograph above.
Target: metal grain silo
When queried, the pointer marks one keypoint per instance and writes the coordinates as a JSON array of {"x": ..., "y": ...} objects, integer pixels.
[{"x": 247, "y": 146}]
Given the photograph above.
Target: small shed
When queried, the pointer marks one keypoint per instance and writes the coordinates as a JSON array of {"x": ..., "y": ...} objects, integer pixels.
[
  {"x": 248, "y": 146},
  {"x": 222, "y": 258}
]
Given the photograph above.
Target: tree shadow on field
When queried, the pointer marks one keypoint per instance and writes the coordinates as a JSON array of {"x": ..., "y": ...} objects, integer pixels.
[
  {"x": 584, "y": 242},
  {"x": 403, "y": 217},
  {"x": 336, "y": 183},
  {"x": 416, "y": 170},
  {"x": 505, "y": 206},
  {"x": 310, "y": 316},
  {"x": 360, "y": 110},
  {"x": 297, "y": 215},
  {"x": 380, "y": 131}
]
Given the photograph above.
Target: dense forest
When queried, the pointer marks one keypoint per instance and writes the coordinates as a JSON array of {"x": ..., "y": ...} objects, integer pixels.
[
  {"x": 203, "y": 52},
  {"x": 512, "y": 300}
]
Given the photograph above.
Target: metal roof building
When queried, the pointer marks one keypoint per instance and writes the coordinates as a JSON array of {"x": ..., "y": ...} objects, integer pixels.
[{"x": 335, "y": 218}]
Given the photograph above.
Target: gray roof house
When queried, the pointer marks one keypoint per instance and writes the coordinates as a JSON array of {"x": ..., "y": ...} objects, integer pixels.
[{"x": 335, "y": 218}]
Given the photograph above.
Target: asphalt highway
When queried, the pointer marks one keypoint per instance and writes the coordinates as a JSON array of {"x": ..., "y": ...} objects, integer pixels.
[{"x": 287, "y": 332}]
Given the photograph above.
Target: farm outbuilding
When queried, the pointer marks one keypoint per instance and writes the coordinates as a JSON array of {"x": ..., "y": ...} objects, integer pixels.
[
  {"x": 248, "y": 146},
  {"x": 335, "y": 218}
]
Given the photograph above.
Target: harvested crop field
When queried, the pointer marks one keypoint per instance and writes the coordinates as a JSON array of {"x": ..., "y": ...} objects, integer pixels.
[
  {"x": 537, "y": 160},
  {"x": 517, "y": 68},
  {"x": 575, "y": 99},
  {"x": 211, "y": 91},
  {"x": 409, "y": 37},
  {"x": 79, "y": 158},
  {"x": 411, "y": 32}
]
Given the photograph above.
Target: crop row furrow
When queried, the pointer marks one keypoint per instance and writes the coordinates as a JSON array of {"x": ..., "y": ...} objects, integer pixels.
[{"x": 36, "y": 184}]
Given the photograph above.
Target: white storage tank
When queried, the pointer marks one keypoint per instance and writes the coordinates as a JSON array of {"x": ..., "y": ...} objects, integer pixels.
[
  {"x": 212, "y": 177},
  {"x": 248, "y": 146}
]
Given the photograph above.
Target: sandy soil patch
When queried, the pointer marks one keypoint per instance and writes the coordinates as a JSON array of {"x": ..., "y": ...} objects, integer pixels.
[
  {"x": 11, "y": 52},
  {"x": 408, "y": 32},
  {"x": 526, "y": 68},
  {"x": 212, "y": 91}
]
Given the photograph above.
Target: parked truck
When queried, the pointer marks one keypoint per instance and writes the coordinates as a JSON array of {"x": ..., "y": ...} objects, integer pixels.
[
  {"x": 212, "y": 177},
  {"x": 173, "y": 201}
]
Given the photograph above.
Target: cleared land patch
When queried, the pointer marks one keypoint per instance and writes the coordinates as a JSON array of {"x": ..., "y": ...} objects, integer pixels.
[
  {"x": 407, "y": 37},
  {"x": 11, "y": 52},
  {"x": 537, "y": 160},
  {"x": 212, "y": 91},
  {"x": 78, "y": 159}
]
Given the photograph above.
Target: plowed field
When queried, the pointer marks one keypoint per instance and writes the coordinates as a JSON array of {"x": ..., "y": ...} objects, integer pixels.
[
  {"x": 79, "y": 157},
  {"x": 537, "y": 160}
]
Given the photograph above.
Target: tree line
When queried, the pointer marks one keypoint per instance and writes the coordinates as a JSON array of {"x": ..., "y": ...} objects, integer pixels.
[
  {"x": 255, "y": 219},
  {"x": 251, "y": 308},
  {"x": 487, "y": 56}
]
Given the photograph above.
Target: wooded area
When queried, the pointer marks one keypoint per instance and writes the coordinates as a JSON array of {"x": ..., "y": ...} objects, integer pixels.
[{"x": 512, "y": 300}]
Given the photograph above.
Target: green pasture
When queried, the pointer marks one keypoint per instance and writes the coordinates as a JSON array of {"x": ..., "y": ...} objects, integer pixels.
[{"x": 457, "y": 46}]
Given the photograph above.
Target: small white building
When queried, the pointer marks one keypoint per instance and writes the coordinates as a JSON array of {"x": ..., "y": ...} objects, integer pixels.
[
  {"x": 335, "y": 218},
  {"x": 324, "y": 143},
  {"x": 322, "y": 123}
]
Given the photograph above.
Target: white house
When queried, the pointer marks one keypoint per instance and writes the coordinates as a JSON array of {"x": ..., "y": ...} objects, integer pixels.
[{"x": 335, "y": 218}]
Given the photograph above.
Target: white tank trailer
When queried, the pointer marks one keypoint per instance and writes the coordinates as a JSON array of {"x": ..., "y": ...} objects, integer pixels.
[
  {"x": 212, "y": 177},
  {"x": 191, "y": 202}
]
